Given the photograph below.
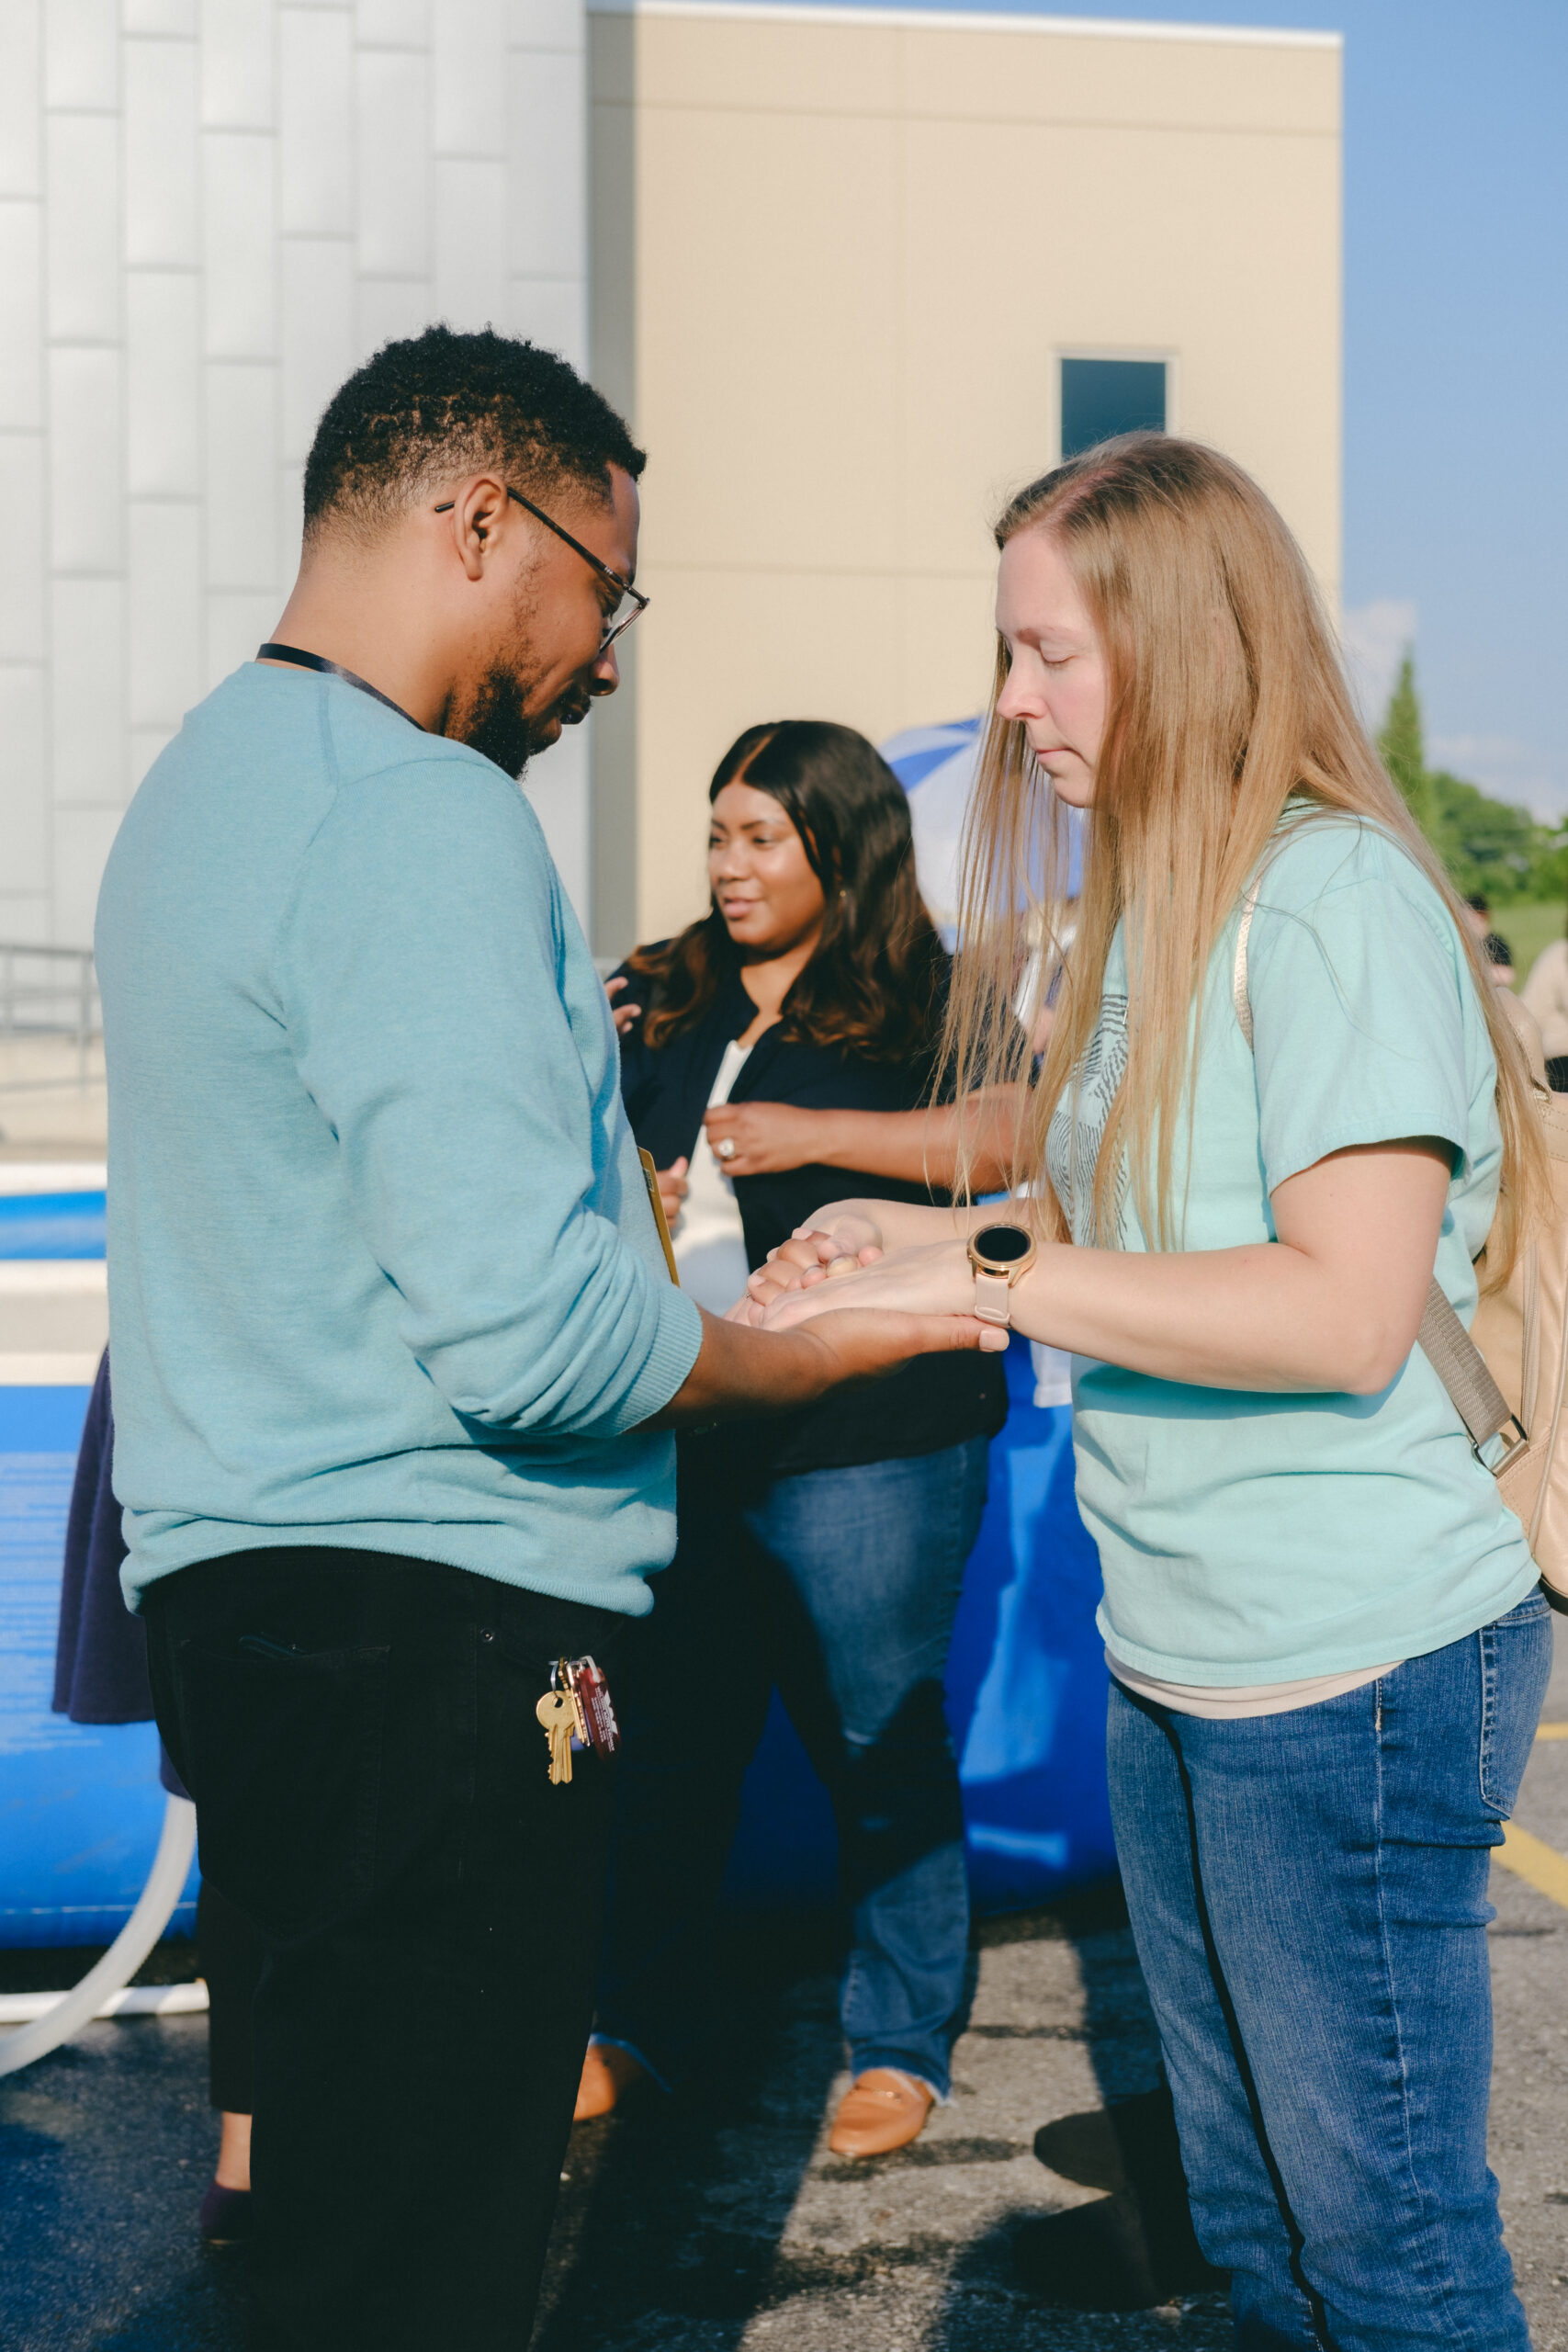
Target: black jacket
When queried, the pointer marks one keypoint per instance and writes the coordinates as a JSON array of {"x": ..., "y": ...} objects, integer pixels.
[{"x": 933, "y": 1402}]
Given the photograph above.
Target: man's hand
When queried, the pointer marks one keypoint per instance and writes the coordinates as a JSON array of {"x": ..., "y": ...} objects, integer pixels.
[
  {"x": 934, "y": 1279},
  {"x": 740, "y": 1373}
]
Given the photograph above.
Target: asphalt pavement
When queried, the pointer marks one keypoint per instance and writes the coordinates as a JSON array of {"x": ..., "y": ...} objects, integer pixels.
[{"x": 719, "y": 2222}]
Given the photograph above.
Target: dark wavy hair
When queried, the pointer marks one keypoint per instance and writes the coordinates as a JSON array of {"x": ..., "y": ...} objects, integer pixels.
[{"x": 878, "y": 983}]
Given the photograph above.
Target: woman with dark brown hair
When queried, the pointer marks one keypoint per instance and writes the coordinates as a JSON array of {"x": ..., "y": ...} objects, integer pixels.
[{"x": 792, "y": 1035}]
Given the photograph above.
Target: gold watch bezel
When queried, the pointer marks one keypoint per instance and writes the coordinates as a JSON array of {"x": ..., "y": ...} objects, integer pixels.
[{"x": 1011, "y": 1270}]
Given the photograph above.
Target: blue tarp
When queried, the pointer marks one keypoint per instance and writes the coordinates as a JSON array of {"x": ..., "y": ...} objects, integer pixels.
[{"x": 80, "y": 1803}]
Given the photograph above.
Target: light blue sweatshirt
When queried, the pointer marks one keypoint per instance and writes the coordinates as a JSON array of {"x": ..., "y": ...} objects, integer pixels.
[{"x": 383, "y": 1269}]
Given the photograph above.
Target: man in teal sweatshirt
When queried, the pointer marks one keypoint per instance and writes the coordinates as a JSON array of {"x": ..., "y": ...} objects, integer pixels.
[{"x": 395, "y": 1350}]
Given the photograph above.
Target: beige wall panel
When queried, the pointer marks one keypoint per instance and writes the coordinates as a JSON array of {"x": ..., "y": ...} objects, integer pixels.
[
  {"x": 767, "y": 256},
  {"x": 728, "y": 649},
  {"x": 1054, "y": 77},
  {"x": 949, "y": 647},
  {"x": 1220, "y": 248},
  {"x": 835, "y": 269},
  {"x": 763, "y": 67}
]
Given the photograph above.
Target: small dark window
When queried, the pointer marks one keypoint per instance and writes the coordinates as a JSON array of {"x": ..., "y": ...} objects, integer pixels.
[{"x": 1100, "y": 396}]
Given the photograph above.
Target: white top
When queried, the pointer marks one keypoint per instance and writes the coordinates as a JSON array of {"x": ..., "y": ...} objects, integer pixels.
[
  {"x": 1237, "y": 1699},
  {"x": 710, "y": 1244}
]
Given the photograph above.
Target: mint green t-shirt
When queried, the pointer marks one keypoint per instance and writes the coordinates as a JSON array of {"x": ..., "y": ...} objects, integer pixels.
[{"x": 1250, "y": 1538}]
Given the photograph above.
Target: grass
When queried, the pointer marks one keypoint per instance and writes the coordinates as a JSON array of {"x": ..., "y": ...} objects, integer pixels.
[{"x": 1528, "y": 928}]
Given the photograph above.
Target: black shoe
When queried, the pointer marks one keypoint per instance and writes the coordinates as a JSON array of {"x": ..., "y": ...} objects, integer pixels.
[
  {"x": 1133, "y": 2249},
  {"x": 226, "y": 2216}
]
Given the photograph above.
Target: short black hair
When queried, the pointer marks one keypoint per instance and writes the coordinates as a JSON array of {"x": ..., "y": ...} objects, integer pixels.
[{"x": 440, "y": 404}]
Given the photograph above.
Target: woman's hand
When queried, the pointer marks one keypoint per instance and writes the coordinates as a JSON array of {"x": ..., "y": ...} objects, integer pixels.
[
  {"x": 833, "y": 1243},
  {"x": 768, "y": 1137},
  {"x": 933, "y": 1279},
  {"x": 674, "y": 1187},
  {"x": 623, "y": 1015}
]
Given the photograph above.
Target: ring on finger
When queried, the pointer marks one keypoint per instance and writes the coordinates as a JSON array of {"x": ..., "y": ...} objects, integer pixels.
[{"x": 726, "y": 1148}]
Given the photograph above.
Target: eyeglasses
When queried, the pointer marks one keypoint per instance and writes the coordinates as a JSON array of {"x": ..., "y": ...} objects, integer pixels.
[{"x": 629, "y": 601}]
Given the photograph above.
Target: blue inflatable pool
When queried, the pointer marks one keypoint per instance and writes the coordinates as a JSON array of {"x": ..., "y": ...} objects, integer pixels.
[{"x": 81, "y": 1805}]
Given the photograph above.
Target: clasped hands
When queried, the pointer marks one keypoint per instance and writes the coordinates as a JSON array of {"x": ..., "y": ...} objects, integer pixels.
[{"x": 837, "y": 1259}]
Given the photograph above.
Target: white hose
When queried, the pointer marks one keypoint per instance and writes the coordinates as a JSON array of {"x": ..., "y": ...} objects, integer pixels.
[{"x": 154, "y": 1909}]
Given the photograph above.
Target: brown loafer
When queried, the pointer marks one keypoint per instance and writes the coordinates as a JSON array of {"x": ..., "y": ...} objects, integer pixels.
[
  {"x": 882, "y": 2110},
  {"x": 608, "y": 2073}
]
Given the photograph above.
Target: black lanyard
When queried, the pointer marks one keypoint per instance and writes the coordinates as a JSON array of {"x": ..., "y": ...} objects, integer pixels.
[{"x": 332, "y": 669}]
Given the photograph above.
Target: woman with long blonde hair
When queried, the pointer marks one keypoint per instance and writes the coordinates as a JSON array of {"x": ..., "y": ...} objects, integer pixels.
[{"x": 1278, "y": 1093}]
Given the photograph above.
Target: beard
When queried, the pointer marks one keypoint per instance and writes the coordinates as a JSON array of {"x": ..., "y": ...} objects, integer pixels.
[
  {"x": 492, "y": 719},
  {"x": 494, "y": 722}
]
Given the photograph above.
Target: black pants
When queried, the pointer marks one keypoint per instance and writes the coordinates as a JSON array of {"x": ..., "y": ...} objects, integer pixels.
[
  {"x": 232, "y": 1953},
  {"x": 359, "y": 1734}
]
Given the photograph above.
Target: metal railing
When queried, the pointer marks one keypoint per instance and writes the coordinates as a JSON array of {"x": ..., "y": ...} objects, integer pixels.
[{"x": 48, "y": 992}]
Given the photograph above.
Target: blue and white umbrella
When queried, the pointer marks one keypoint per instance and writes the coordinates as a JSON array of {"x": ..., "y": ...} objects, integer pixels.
[{"x": 936, "y": 766}]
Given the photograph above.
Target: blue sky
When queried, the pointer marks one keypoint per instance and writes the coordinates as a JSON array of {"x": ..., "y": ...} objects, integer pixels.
[{"x": 1456, "y": 361}]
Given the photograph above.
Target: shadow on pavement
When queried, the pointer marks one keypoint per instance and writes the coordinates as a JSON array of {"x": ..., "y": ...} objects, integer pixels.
[
  {"x": 670, "y": 2220},
  {"x": 1056, "y": 2279}
]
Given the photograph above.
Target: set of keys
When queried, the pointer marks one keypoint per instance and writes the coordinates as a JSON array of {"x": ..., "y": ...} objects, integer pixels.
[{"x": 577, "y": 1708}]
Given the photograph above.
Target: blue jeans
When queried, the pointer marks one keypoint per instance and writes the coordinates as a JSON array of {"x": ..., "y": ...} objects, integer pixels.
[
  {"x": 842, "y": 1586},
  {"x": 1308, "y": 1892}
]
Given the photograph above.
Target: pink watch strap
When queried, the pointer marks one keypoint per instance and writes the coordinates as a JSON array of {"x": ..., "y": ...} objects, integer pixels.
[{"x": 993, "y": 1297}]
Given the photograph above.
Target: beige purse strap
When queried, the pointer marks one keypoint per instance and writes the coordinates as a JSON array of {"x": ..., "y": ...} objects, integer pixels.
[{"x": 1446, "y": 1344}]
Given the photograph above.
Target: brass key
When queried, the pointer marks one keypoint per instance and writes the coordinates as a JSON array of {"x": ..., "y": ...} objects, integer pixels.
[{"x": 558, "y": 1717}]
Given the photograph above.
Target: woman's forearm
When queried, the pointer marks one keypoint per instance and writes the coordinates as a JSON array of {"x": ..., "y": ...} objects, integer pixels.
[
  {"x": 921, "y": 1147},
  {"x": 1262, "y": 1317},
  {"x": 906, "y": 1225},
  {"x": 1334, "y": 1304}
]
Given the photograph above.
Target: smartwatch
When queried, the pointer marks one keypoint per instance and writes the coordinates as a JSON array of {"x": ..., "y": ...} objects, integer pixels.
[{"x": 1000, "y": 1254}]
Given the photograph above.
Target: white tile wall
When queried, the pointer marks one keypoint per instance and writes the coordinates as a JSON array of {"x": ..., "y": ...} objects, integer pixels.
[
  {"x": 165, "y": 610},
  {"x": 159, "y": 15},
  {"x": 210, "y": 210},
  {"x": 82, "y": 54},
  {"x": 316, "y": 119},
  {"x": 404, "y": 24},
  {"x": 393, "y": 93},
  {"x": 470, "y": 50},
  {"x": 86, "y": 456},
  {"x": 87, "y": 718},
  {"x": 163, "y": 178},
  {"x": 470, "y": 241},
  {"x": 239, "y": 51},
  {"x": 81, "y": 843},
  {"x": 317, "y": 346},
  {"x": 82, "y": 213},
  {"x": 163, "y": 383},
  {"x": 23, "y": 817},
  {"x": 238, "y": 223},
  {"x": 21, "y": 100},
  {"x": 241, "y": 475},
  {"x": 21, "y": 316},
  {"x": 24, "y": 573},
  {"x": 237, "y": 622}
]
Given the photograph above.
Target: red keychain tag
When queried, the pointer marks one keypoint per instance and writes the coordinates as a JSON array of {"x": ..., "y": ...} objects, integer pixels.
[{"x": 591, "y": 1693}]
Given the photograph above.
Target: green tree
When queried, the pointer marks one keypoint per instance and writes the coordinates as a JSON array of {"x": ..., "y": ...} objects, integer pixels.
[
  {"x": 1488, "y": 847},
  {"x": 1401, "y": 746}
]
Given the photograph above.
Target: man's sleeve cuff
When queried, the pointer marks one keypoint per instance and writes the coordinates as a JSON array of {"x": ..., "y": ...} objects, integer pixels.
[{"x": 669, "y": 1363}]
